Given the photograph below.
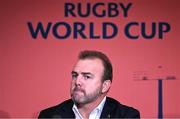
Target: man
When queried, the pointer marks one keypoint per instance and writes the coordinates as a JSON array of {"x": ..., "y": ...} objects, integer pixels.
[{"x": 91, "y": 80}]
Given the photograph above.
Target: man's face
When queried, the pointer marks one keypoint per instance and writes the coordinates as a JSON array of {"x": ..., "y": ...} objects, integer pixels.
[{"x": 86, "y": 84}]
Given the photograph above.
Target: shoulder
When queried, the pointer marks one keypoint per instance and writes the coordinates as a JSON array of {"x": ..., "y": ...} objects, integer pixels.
[
  {"x": 58, "y": 111},
  {"x": 118, "y": 110}
]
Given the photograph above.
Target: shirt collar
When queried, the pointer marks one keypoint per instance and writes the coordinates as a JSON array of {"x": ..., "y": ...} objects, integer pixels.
[
  {"x": 99, "y": 108},
  {"x": 101, "y": 105}
]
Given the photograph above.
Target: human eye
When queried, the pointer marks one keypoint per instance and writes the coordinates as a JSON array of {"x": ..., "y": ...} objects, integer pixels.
[
  {"x": 87, "y": 77},
  {"x": 74, "y": 76}
]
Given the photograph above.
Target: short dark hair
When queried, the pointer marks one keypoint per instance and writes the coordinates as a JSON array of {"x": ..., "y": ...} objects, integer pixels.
[{"x": 91, "y": 54}]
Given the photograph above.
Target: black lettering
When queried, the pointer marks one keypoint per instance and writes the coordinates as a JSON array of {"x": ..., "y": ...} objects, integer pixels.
[
  {"x": 69, "y": 9},
  {"x": 144, "y": 31},
  {"x": 127, "y": 30},
  {"x": 95, "y": 10},
  {"x": 163, "y": 28},
  {"x": 79, "y": 29},
  {"x": 55, "y": 30},
  {"x": 112, "y": 8},
  {"x": 39, "y": 28},
  {"x": 80, "y": 9},
  {"x": 105, "y": 33},
  {"x": 125, "y": 8}
]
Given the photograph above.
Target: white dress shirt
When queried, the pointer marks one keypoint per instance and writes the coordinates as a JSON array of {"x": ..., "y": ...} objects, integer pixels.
[{"x": 95, "y": 114}]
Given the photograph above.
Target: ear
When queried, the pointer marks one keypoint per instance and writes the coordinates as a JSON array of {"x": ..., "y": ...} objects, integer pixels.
[{"x": 106, "y": 86}]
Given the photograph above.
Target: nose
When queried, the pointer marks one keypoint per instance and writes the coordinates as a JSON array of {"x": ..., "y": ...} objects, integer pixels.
[{"x": 78, "y": 80}]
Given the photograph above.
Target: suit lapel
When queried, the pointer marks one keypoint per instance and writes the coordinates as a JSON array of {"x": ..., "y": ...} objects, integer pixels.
[
  {"x": 108, "y": 108},
  {"x": 66, "y": 110},
  {"x": 108, "y": 111}
]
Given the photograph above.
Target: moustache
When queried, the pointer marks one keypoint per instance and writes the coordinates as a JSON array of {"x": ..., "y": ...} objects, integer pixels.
[{"x": 78, "y": 89}]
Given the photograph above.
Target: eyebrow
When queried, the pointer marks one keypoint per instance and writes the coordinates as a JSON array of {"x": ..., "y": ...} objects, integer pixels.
[
  {"x": 83, "y": 73},
  {"x": 73, "y": 72},
  {"x": 86, "y": 73}
]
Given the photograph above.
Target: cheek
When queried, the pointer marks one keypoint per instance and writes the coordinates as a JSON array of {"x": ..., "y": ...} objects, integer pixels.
[
  {"x": 93, "y": 87},
  {"x": 72, "y": 85},
  {"x": 72, "y": 82}
]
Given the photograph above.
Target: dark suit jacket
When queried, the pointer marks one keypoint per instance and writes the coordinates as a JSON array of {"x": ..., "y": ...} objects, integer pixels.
[{"x": 111, "y": 109}]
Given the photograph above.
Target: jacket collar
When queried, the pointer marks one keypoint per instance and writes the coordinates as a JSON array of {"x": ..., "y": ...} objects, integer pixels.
[
  {"x": 107, "y": 111},
  {"x": 109, "y": 106}
]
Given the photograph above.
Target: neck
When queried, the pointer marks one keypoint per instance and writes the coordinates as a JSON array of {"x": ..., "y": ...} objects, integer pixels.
[{"x": 86, "y": 109}]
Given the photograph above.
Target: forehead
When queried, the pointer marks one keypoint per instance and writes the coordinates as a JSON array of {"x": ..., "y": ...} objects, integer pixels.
[{"x": 89, "y": 65}]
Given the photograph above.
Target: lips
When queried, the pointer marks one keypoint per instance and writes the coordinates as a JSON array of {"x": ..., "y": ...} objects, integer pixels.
[{"x": 78, "y": 90}]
